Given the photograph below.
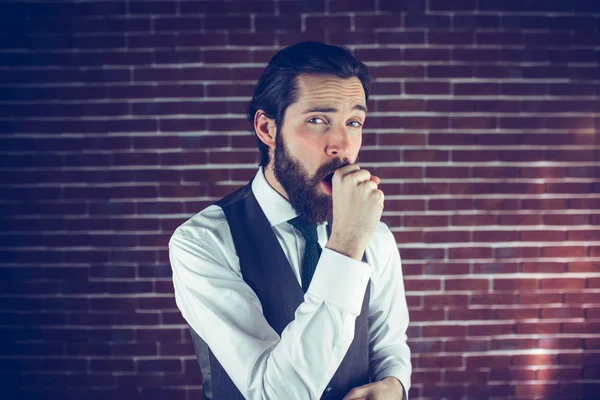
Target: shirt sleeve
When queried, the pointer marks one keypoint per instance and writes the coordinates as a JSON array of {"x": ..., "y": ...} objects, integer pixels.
[
  {"x": 227, "y": 315},
  {"x": 388, "y": 320}
]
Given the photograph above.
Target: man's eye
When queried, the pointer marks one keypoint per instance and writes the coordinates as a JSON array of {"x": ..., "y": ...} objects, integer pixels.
[
  {"x": 316, "y": 120},
  {"x": 355, "y": 124}
]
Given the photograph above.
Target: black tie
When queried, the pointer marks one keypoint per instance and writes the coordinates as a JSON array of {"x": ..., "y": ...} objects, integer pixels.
[{"x": 312, "y": 250}]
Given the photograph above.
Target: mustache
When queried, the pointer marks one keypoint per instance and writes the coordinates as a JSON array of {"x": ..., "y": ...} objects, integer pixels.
[{"x": 329, "y": 168}]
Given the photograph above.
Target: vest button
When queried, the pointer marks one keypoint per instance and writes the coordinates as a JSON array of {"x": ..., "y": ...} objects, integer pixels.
[{"x": 328, "y": 392}]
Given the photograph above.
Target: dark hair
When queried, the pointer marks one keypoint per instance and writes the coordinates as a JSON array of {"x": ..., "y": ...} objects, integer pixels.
[{"x": 277, "y": 89}]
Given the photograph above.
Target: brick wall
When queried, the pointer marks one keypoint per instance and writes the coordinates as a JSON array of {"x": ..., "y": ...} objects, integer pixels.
[{"x": 121, "y": 119}]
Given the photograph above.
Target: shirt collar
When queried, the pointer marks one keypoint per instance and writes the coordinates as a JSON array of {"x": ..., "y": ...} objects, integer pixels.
[{"x": 276, "y": 207}]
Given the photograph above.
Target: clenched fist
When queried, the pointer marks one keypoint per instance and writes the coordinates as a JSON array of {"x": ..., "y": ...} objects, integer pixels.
[{"x": 357, "y": 208}]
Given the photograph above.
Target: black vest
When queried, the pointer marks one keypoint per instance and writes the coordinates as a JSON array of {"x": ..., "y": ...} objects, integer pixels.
[{"x": 266, "y": 270}]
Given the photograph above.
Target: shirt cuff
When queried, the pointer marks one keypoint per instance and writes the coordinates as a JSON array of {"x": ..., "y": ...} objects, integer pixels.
[
  {"x": 398, "y": 373},
  {"x": 340, "y": 281}
]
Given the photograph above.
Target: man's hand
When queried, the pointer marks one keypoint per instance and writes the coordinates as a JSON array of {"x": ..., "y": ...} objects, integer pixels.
[
  {"x": 389, "y": 388},
  {"x": 357, "y": 208}
]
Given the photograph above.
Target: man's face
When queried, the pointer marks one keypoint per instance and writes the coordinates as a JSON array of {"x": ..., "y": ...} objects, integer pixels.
[{"x": 321, "y": 132}]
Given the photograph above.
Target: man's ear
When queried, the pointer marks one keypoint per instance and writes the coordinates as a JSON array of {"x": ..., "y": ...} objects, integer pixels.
[{"x": 265, "y": 128}]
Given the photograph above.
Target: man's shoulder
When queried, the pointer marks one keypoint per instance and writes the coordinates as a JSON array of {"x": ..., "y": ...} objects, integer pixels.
[
  {"x": 212, "y": 218},
  {"x": 210, "y": 221}
]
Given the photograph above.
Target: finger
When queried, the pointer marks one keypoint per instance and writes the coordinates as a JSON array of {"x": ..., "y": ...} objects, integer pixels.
[
  {"x": 375, "y": 179},
  {"x": 378, "y": 194},
  {"x": 360, "y": 176},
  {"x": 347, "y": 169},
  {"x": 369, "y": 185}
]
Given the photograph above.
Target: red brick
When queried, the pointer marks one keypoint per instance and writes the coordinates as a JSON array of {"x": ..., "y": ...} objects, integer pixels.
[
  {"x": 457, "y": 345},
  {"x": 474, "y": 156},
  {"x": 440, "y": 361},
  {"x": 558, "y": 374},
  {"x": 535, "y": 389},
  {"x": 150, "y": 380},
  {"x": 459, "y": 123},
  {"x": 580, "y": 327},
  {"x": 496, "y": 172},
  {"x": 512, "y": 374},
  {"x": 424, "y": 376},
  {"x": 496, "y": 236},
  {"x": 422, "y": 284},
  {"x": 491, "y": 329},
  {"x": 470, "y": 315},
  {"x": 543, "y": 267},
  {"x": 517, "y": 313},
  {"x": 516, "y": 284},
  {"x": 427, "y": 88},
  {"x": 542, "y": 298},
  {"x": 338, "y": 22},
  {"x": 583, "y": 266},
  {"x": 563, "y": 283},
  {"x": 560, "y": 343},
  {"x": 542, "y": 236},
  {"x": 513, "y": 344},
  {"x": 589, "y": 373},
  {"x": 495, "y": 268},
  {"x": 467, "y": 375},
  {"x": 499, "y": 38},
  {"x": 544, "y": 328},
  {"x": 566, "y": 219},
  {"x": 493, "y": 298},
  {"x": 426, "y": 315},
  {"x": 115, "y": 364},
  {"x": 444, "y": 330},
  {"x": 466, "y": 284},
  {"x": 446, "y": 269},
  {"x": 522, "y": 155},
  {"x": 470, "y": 252},
  {"x": 385, "y": 20},
  {"x": 159, "y": 365},
  {"x": 452, "y": 204},
  {"x": 401, "y": 140},
  {"x": 487, "y": 361},
  {"x": 398, "y": 37},
  {"x": 414, "y": 20},
  {"x": 407, "y": 71},
  {"x": 412, "y": 269},
  {"x": 447, "y": 237},
  {"x": 425, "y": 156},
  {"x": 593, "y": 283},
  {"x": 534, "y": 359},
  {"x": 443, "y": 300},
  {"x": 516, "y": 252},
  {"x": 425, "y": 220}
]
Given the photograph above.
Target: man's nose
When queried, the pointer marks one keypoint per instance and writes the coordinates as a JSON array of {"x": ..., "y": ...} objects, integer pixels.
[{"x": 338, "y": 144}]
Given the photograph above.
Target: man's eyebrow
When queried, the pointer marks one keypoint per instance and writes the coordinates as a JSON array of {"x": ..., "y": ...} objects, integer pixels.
[{"x": 359, "y": 107}]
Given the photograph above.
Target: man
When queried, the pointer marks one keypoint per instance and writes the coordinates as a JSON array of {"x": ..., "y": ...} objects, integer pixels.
[{"x": 291, "y": 285}]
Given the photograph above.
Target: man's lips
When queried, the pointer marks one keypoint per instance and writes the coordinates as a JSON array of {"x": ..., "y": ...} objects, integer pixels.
[{"x": 327, "y": 184}]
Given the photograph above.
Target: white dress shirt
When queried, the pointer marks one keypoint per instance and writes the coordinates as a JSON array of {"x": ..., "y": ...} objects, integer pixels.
[{"x": 226, "y": 313}]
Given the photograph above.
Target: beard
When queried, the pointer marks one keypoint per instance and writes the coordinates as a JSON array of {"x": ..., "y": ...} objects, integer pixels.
[{"x": 304, "y": 192}]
